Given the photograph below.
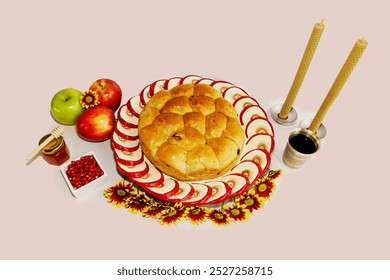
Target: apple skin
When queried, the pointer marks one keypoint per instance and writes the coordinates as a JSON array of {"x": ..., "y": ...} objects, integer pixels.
[
  {"x": 65, "y": 106},
  {"x": 109, "y": 92},
  {"x": 96, "y": 124}
]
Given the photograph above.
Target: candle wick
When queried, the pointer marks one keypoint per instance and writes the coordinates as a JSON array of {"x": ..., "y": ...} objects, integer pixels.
[{"x": 362, "y": 41}]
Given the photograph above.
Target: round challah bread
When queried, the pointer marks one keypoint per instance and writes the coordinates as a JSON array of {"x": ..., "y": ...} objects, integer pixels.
[{"x": 191, "y": 132}]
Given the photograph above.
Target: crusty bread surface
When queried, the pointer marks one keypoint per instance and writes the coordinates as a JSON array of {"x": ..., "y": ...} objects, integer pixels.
[{"x": 191, "y": 132}]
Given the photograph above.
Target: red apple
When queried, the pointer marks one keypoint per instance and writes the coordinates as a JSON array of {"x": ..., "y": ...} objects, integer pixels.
[
  {"x": 109, "y": 92},
  {"x": 96, "y": 123}
]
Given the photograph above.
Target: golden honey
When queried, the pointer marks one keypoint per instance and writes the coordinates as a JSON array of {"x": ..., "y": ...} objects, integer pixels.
[{"x": 55, "y": 152}]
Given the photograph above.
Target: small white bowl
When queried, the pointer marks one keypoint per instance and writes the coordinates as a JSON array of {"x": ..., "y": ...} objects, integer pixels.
[{"x": 91, "y": 186}]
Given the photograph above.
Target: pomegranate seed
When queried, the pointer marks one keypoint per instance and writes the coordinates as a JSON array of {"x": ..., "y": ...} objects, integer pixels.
[{"x": 83, "y": 171}]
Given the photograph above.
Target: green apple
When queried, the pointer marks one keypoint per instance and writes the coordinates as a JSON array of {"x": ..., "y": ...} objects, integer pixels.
[{"x": 65, "y": 106}]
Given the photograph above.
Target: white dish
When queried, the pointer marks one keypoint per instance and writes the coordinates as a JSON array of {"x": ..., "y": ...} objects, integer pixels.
[{"x": 89, "y": 187}]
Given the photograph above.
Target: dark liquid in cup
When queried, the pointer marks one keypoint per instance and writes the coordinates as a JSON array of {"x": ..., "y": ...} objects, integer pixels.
[{"x": 303, "y": 144}]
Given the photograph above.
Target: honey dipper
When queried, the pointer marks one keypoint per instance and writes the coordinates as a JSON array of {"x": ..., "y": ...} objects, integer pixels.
[{"x": 55, "y": 133}]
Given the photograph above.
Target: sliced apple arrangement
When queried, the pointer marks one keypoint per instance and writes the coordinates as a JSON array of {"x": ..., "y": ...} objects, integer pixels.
[
  {"x": 254, "y": 162},
  {"x": 92, "y": 112},
  {"x": 128, "y": 195}
]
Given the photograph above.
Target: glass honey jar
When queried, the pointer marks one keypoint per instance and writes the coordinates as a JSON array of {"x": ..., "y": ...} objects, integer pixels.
[{"x": 55, "y": 152}]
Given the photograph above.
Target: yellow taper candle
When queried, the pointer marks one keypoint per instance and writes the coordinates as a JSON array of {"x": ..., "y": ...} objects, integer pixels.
[
  {"x": 302, "y": 69},
  {"x": 338, "y": 84}
]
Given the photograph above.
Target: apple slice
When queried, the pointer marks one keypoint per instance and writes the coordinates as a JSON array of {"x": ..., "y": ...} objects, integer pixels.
[
  {"x": 244, "y": 101},
  {"x": 127, "y": 118},
  {"x": 260, "y": 141},
  {"x": 145, "y": 95},
  {"x": 251, "y": 112},
  {"x": 135, "y": 171},
  {"x": 135, "y": 106},
  {"x": 171, "y": 83},
  {"x": 125, "y": 124},
  {"x": 221, "y": 86},
  {"x": 233, "y": 93},
  {"x": 127, "y": 133},
  {"x": 220, "y": 191},
  {"x": 129, "y": 158},
  {"x": 237, "y": 182},
  {"x": 258, "y": 125},
  {"x": 260, "y": 156},
  {"x": 250, "y": 169},
  {"x": 185, "y": 191},
  {"x": 157, "y": 86},
  {"x": 165, "y": 190},
  {"x": 206, "y": 81},
  {"x": 123, "y": 144},
  {"x": 153, "y": 178},
  {"x": 202, "y": 193},
  {"x": 190, "y": 79}
]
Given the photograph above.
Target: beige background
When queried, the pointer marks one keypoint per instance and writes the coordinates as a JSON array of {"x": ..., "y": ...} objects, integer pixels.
[{"x": 337, "y": 207}]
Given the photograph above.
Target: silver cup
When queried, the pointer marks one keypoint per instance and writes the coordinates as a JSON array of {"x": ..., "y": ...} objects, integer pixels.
[{"x": 301, "y": 145}]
